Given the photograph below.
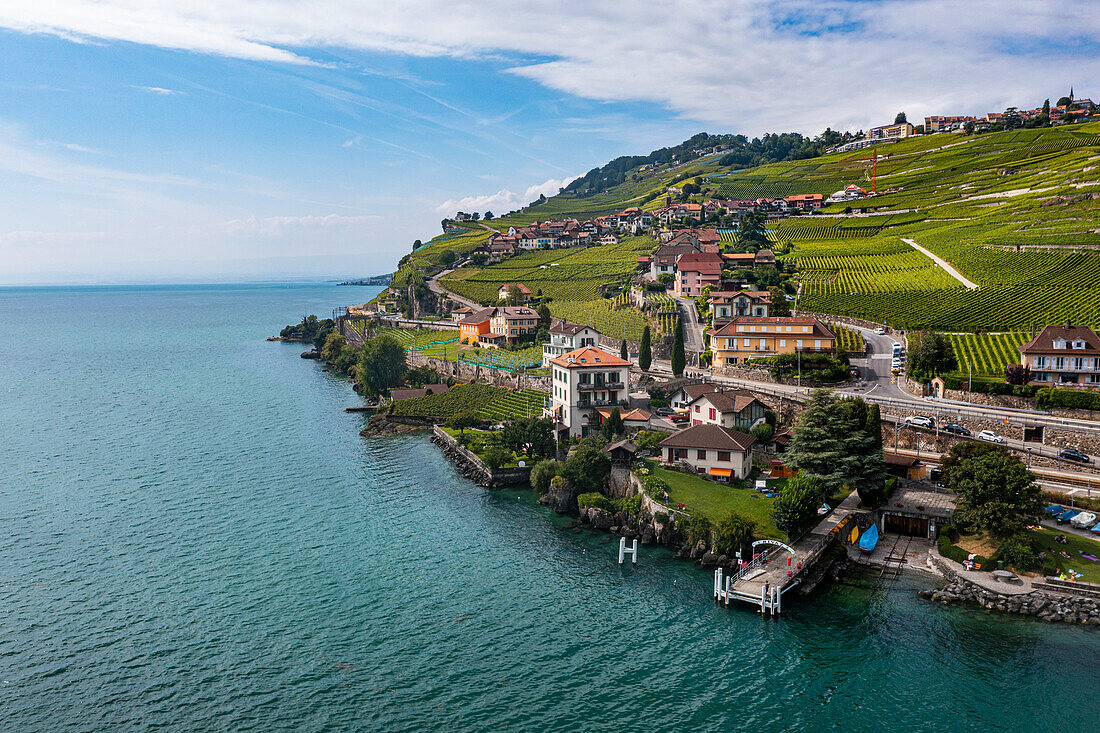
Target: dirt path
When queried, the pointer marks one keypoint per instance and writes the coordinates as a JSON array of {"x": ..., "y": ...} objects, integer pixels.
[{"x": 947, "y": 268}]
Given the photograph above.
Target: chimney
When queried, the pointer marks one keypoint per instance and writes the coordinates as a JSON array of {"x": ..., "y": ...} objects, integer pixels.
[
  {"x": 1032, "y": 330},
  {"x": 1067, "y": 323}
]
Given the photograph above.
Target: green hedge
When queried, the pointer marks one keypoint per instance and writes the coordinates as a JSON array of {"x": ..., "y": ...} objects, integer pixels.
[
  {"x": 597, "y": 500},
  {"x": 953, "y": 552},
  {"x": 1072, "y": 398},
  {"x": 989, "y": 386}
]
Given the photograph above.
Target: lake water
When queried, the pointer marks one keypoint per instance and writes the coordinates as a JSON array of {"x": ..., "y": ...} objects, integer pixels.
[{"x": 195, "y": 537}]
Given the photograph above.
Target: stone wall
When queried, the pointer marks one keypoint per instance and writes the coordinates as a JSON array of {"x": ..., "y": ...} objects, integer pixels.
[
  {"x": 1045, "y": 606},
  {"x": 474, "y": 468},
  {"x": 469, "y": 372}
]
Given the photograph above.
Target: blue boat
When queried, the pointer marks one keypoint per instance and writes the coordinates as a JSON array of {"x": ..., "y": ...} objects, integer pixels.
[
  {"x": 869, "y": 539},
  {"x": 1068, "y": 515},
  {"x": 1055, "y": 509},
  {"x": 1096, "y": 529}
]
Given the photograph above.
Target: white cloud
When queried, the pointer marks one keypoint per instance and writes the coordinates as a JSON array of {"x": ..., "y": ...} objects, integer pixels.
[
  {"x": 161, "y": 91},
  {"x": 504, "y": 199},
  {"x": 748, "y": 65}
]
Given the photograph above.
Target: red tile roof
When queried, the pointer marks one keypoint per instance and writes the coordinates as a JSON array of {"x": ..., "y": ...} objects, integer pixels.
[
  {"x": 589, "y": 356},
  {"x": 713, "y": 437}
]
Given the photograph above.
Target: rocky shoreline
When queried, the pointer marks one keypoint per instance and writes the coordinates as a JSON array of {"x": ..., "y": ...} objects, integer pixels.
[{"x": 1044, "y": 606}]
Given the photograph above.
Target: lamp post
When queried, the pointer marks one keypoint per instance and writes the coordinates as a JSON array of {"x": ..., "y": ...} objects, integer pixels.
[
  {"x": 1029, "y": 457},
  {"x": 969, "y": 380}
]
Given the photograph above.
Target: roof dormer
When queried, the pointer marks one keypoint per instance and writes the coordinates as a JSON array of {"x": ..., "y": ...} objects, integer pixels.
[
  {"x": 1059, "y": 343},
  {"x": 1078, "y": 343}
]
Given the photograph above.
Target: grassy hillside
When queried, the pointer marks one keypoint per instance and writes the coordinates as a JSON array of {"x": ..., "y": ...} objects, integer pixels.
[{"x": 571, "y": 277}]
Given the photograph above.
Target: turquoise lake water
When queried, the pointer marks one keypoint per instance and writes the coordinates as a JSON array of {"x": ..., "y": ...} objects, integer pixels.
[{"x": 196, "y": 538}]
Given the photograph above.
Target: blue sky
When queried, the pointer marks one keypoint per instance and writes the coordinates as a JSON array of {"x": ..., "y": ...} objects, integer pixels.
[{"x": 147, "y": 140}]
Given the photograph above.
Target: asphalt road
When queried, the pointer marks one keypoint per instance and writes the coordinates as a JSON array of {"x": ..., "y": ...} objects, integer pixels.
[{"x": 693, "y": 329}]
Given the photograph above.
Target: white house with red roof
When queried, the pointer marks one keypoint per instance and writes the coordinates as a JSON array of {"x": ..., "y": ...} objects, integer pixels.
[{"x": 583, "y": 381}]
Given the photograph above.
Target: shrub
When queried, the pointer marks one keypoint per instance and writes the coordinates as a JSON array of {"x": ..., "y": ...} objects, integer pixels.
[
  {"x": 952, "y": 551},
  {"x": 587, "y": 467},
  {"x": 763, "y": 432},
  {"x": 632, "y": 506},
  {"x": 496, "y": 457},
  {"x": 543, "y": 473},
  {"x": 1019, "y": 554},
  {"x": 734, "y": 533},
  {"x": 694, "y": 528},
  {"x": 597, "y": 500}
]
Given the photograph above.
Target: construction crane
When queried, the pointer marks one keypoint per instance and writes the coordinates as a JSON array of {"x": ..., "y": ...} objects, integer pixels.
[{"x": 873, "y": 157}]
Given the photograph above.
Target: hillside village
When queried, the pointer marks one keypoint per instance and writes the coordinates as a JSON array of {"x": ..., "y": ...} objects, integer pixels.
[{"x": 690, "y": 324}]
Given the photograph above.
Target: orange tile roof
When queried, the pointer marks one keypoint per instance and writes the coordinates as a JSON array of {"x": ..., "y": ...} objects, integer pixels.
[{"x": 589, "y": 356}]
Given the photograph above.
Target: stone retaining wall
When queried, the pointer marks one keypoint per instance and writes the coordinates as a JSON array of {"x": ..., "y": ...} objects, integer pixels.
[
  {"x": 474, "y": 468},
  {"x": 1045, "y": 606}
]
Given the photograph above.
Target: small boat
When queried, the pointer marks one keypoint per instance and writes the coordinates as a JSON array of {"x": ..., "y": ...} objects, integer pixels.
[
  {"x": 1083, "y": 520},
  {"x": 1055, "y": 509},
  {"x": 1067, "y": 515},
  {"x": 823, "y": 510},
  {"x": 869, "y": 540}
]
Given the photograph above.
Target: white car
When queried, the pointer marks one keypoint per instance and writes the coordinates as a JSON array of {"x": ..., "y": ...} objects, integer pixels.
[
  {"x": 920, "y": 421},
  {"x": 990, "y": 436},
  {"x": 880, "y": 331}
]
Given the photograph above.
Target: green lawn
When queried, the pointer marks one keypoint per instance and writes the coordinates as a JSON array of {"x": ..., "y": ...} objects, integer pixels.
[
  {"x": 1044, "y": 541},
  {"x": 715, "y": 500}
]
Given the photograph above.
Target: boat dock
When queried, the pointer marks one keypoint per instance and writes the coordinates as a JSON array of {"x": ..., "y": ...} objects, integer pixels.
[{"x": 777, "y": 567}]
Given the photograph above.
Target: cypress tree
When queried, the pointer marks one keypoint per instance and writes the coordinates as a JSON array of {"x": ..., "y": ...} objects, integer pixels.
[
  {"x": 622, "y": 350},
  {"x": 645, "y": 350},
  {"x": 678, "y": 358}
]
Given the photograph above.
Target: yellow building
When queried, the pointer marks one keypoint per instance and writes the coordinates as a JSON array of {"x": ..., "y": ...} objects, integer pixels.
[{"x": 751, "y": 337}]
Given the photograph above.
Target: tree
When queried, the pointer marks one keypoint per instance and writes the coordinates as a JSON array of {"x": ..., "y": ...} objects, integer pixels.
[
  {"x": 543, "y": 473},
  {"x": 996, "y": 493},
  {"x": 780, "y": 306},
  {"x": 496, "y": 457},
  {"x": 462, "y": 420},
  {"x": 839, "y": 441},
  {"x": 475, "y": 216},
  {"x": 533, "y": 436},
  {"x": 733, "y": 534},
  {"x": 750, "y": 231},
  {"x": 515, "y": 296},
  {"x": 447, "y": 257},
  {"x": 613, "y": 425},
  {"x": 666, "y": 278},
  {"x": 930, "y": 355},
  {"x": 678, "y": 358},
  {"x": 1063, "y": 101},
  {"x": 444, "y": 224},
  {"x": 417, "y": 243},
  {"x": 381, "y": 364},
  {"x": 795, "y": 508},
  {"x": 333, "y": 347},
  {"x": 544, "y": 315},
  {"x": 587, "y": 467},
  {"x": 645, "y": 350},
  {"x": 488, "y": 215},
  {"x": 1017, "y": 374},
  {"x": 900, "y": 118},
  {"x": 968, "y": 127},
  {"x": 622, "y": 351}
]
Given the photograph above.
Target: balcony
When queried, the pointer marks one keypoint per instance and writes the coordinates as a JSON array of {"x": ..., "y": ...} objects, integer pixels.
[
  {"x": 599, "y": 403},
  {"x": 592, "y": 386}
]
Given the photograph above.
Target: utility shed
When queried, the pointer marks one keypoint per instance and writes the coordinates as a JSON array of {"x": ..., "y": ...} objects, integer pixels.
[{"x": 915, "y": 512}]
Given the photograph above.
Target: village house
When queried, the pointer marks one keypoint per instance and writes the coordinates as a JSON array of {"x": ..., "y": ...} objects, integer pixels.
[
  {"x": 460, "y": 314},
  {"x": 730, "y": 408},
  {"x": 501, "y": 324},
  {"x": 664, "y": 259},
  {"x": 582, "y": 381},
  {"x": 566, "y": 336},
  {"x": 683, "y": 396},
  {"x": 524, "y": 292},
  {"x": 725, "y": 305},
  {"x": 712, "y": 450},
  {"x": 695, "y": 271},
  {"x": 633, "y": 420},
  {"x": 1064, "y": 356},
  {"x": 751, "y": 337},
  {"x": 806, "y": 201}
]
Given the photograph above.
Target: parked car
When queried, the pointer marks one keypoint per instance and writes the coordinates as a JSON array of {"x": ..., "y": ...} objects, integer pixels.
[
  {"x": 1072, "y": 454},
  {"x": 880, "y": 331},
  {"x": 920, "y": 421},
  {"x": 664, "y": 412},
  {"x": 679, "y": 417},
  {"x": 954, "y": 429},
  {"x": 990, "y": 436}
]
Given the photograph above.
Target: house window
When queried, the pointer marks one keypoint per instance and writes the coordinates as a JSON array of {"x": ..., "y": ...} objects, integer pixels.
[
  {"x": 798, "y": 344},
  {"x": 747, "y": 342},
  {"x": 1078, "y": 344},
  {"x": 817, "y": 344},
  {"x": 1093, "y": 378},
  {"x": 723, "y": 456},
  {"x": 782, "y": 343},
  {"x": 712, "y": 413},
  {"x": 701, "y": 455},
  {"x": 1040, "y": 362},
  {"x": 697, "y": 409},
  {"x": 681, "y": 454}
]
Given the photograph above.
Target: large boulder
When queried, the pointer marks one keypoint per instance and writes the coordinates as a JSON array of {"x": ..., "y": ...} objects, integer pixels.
[
  {"x": 600, "y": 518},
  {"x": 561, "y": 497}
]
